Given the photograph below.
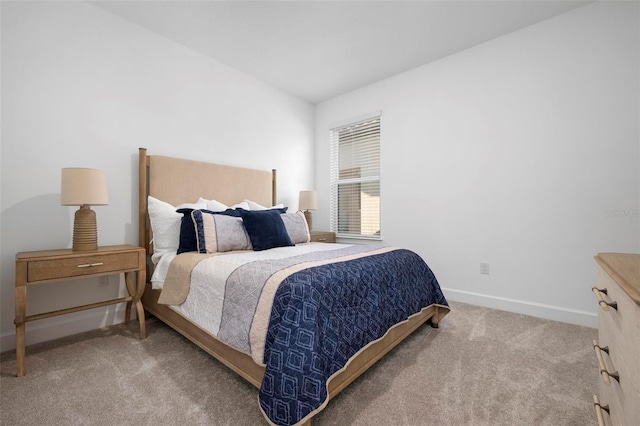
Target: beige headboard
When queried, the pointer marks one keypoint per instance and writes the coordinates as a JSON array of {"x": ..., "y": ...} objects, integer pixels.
[{"x": 177, "y": 181}]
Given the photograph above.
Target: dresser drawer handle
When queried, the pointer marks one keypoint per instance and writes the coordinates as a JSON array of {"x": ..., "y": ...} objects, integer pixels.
[
  {"x": 322, "y": 239},
  {"x": 603, "y": 369},
  {"x": 603, "y": 303},
  {"x": 615, "y": 376},
  {"x": 599, "y": 409},
  {"x": 89, "y": 265}
]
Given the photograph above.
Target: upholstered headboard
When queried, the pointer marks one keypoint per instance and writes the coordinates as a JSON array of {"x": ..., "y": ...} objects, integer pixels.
[{"x": 177, "y": 181}]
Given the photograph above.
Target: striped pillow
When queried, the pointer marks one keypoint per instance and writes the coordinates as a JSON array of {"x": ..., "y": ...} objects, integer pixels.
[
  {"x": 297, "y": 227},
  {"x": 219, "y": 233}
]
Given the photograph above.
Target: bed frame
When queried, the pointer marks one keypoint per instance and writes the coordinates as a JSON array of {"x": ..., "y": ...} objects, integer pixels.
[{"x": 178, "y": 181}]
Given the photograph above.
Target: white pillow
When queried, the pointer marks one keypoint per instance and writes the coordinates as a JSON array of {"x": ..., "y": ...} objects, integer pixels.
[
  {"x": 213, "y": 205},
  {"x": 165, "y": 224},
  {"x": 256, "y": 206},
  {"x": 217, "y": 206},
  {"x": 241, "y": 205}
]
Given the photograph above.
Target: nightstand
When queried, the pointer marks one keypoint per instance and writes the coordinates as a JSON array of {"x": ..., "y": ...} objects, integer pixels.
[
  {"x": 323, "y": 237},
  {"x": 42, "y": 267}
]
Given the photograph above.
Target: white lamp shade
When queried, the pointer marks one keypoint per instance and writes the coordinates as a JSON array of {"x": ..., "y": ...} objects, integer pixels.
[
  {"x": 83, "y": 187},
  {"x": 308, "y": 200}
]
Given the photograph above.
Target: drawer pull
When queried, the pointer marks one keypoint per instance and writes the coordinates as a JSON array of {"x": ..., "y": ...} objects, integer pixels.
[
  {"x": 89, "y": 265},
  {"x": 615, "y": 376},
  {"x": 322, "y": 239},
  {"x": 601, "y": 365},
  {"x": 603, "y": 368},
  {"x": 599, "y": 409},
  {"x": 603, "y": 303}
]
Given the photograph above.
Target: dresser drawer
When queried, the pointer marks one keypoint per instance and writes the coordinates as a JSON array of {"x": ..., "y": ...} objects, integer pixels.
[
  {"x": 619, "y": 327},
  {"x": 615, "y": 416},
  {"x": 621, "y": 395},
  {"x": 76, "y": 266}
]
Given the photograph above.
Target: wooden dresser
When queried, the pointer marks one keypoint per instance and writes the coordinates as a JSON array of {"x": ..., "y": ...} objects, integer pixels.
[{"x": 618, "y": 346}]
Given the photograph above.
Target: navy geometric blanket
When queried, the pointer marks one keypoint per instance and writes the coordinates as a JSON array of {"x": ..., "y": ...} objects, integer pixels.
[{"x": 323, "y": 315}]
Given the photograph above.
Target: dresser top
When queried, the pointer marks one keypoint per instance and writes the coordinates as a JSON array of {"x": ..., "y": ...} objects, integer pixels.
[{"x": 624, "y": 268}]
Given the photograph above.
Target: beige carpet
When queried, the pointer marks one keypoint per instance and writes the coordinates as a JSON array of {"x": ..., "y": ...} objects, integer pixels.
[{"x": 481, "y": 367}]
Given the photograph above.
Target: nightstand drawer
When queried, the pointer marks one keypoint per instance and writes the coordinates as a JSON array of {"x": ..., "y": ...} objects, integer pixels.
[
  {"x": 49, "y": 269},
  {"x": 323, "y": 237}
]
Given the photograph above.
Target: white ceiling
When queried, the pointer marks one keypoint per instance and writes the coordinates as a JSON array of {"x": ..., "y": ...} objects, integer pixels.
[{"x": 320, "y": 49}]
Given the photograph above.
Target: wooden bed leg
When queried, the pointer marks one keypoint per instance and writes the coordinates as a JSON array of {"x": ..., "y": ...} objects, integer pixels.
[{"x": 435, "y": 319}]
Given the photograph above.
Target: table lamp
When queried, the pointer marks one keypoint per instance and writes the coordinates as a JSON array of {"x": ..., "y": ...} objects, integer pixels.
[
  {"x": 308, "y": 201},
  {"x": 84, "y": 188}
]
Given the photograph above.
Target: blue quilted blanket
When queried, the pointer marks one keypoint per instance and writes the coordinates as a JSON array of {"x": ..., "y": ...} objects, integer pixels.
[{"x": 323, "y": 315}]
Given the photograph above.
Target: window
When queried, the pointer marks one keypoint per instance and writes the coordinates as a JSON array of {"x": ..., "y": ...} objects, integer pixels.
[{"x": 355, "y": 179}]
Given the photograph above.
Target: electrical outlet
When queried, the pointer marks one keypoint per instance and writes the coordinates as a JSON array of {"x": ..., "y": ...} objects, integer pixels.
[
  {"x": 103, "y": 281},
  {"x": 484, "y": 268}
]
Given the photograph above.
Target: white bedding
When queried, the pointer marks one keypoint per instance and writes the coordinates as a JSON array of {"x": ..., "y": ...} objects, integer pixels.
[{"x": 204, "y": 302}]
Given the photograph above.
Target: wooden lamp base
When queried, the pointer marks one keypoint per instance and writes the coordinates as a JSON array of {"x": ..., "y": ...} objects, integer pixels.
[
  {"x": 85, "y": 230},
  {"x": 307, "y": 216}
]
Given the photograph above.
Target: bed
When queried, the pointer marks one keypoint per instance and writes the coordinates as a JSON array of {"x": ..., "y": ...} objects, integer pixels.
[{"x": 309, "y": 340}]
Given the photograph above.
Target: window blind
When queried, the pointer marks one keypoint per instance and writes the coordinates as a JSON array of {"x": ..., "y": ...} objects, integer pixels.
[{"x": 355, "y": 179}]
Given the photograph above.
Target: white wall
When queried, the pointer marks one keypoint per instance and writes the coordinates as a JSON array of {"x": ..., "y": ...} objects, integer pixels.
[
  {"x": 516, "y": 152},
  {"x": 82, "y": 87}
]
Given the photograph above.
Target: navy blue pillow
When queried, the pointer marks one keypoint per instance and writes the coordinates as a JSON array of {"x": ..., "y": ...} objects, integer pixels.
[
  {"x": 265, "y": 228},
  {"x": 188, "y": 239}
]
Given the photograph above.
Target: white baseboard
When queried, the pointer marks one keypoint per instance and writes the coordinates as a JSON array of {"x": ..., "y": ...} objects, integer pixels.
[
  {"x": 555, "y": 313},
  {"x": 66, "y": 325}
]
